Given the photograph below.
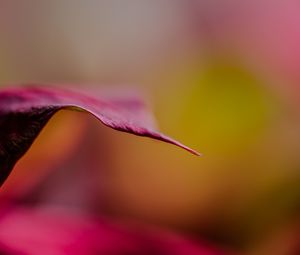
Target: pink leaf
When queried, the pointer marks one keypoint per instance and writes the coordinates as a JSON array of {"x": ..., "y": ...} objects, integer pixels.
[
  {"x": 24, "y": 111},
  {"x": 54, "y": 231}
]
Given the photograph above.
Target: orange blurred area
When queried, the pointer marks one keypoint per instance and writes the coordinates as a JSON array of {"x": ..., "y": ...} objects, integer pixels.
[
  {"x": 54, "y": 144},
  {"x": 222, "y": 77}
]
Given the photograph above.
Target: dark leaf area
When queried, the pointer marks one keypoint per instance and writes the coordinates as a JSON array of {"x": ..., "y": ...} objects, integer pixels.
[{"x": 18, "y": 131}]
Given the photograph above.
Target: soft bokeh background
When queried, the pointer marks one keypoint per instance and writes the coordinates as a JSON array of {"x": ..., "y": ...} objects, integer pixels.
[{"x": 223, "y": 77}]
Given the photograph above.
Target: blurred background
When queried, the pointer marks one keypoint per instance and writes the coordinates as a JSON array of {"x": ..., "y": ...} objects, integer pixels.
[{"x": 222, "y": 76}]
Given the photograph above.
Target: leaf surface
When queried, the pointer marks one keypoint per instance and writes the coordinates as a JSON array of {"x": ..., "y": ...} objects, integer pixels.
[{"x": 24, "y": 111}]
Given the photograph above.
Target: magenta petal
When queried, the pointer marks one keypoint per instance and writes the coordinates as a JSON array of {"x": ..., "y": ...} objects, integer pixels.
[
  {"x": 53, "y": 231},
  {"x": 24, "y": 111}
]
